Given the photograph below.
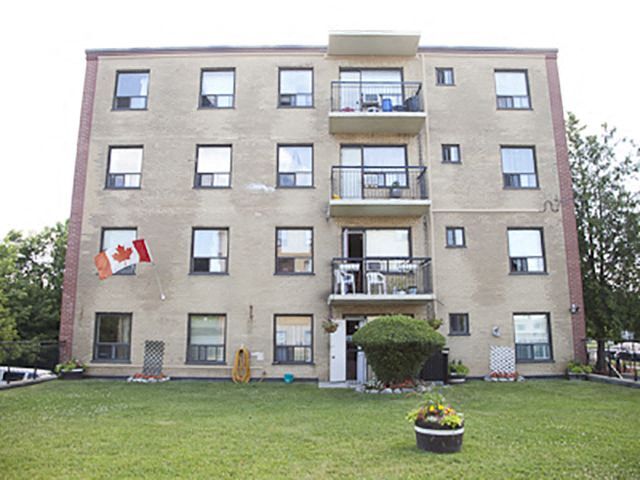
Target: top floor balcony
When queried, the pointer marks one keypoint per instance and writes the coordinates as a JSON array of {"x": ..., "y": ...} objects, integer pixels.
[{"x": 376, "y": 107}]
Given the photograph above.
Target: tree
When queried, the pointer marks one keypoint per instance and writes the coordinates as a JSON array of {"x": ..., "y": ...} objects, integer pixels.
[
  {"x": 397, "y": 346},
  {"x": 32, "y": 270},
  {"x": 608, "y": 220}
]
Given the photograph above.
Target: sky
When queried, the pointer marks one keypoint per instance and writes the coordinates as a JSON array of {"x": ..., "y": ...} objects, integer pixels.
[{"x": 42, "y": 47}]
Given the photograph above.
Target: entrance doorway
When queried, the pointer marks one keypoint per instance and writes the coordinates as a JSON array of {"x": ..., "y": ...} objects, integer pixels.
[{"x": 356, "y": 361}]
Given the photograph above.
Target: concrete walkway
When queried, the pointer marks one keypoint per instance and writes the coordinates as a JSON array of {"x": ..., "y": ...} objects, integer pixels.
[{"x": 594, "y": 377}]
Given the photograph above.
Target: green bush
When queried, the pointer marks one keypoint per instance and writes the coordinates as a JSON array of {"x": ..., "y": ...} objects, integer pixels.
[
  {"x": 575, "y": 367},
  {"x": 397, "y": 346}
]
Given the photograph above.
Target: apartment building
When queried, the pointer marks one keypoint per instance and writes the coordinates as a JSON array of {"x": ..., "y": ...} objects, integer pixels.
[{"x": 278, "y": 187}]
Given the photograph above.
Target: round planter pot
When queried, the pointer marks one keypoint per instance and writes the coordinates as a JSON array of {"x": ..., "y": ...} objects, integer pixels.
[
  {"x": 455, "y": 378},
  {"x": 438, "y": 441}
]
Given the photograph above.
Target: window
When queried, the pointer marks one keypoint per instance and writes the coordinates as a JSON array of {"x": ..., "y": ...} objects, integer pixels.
[
  {"x": 526, "y": 252},
  {"x": 132, "y": 89},
  {"x": 519, "y": 167},
  {"x": 125, "y": 166},
  {"x": 210, "y": 250},
  {"x": 217, "y": 88},
  {"x": 113, "y": 337},
  {"x": 532, "y": 337},
  {"x": 293, "y": 339},
  {"x": 372, "y": 90},
  {"x": 455, "y": 237},
  {"x": 213, "y": 166},
  {"x": 206, "y": 339},
  {"x": 295, "y": 166},
  {"x": 458, "y": 324},
  {"x": 451, "y": 154},
  {"x": 294, "y": 250},
  {"x": 512, "y": 90},
  {"x": 372, "y": 171},
  {"x": 296, "y": 88},
  {"x": 112, "y": 237},
  {"x": 387, "y": 243},
  {"x": 444, "y": 76}
]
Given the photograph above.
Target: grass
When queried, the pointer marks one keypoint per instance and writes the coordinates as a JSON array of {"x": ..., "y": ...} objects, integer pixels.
[{"x": 110, "y": 429}]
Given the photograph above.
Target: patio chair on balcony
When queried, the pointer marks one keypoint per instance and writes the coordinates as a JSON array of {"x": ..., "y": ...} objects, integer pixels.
[
  {"x": 344, "y": 279},
  {"x": 377, "y": 280}
]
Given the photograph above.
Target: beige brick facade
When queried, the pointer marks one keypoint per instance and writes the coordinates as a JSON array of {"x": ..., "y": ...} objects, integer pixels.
[{"x": 475, "y": 280}]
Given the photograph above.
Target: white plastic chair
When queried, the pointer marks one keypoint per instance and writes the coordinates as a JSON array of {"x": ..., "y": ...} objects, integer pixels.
[
  {"x": 376, "y": 279},
  {"x": 343, "y": 280}
]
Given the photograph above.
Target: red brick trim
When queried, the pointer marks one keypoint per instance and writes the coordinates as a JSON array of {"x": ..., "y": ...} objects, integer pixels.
[
  {"x": 568, "y": 213},
  {"x": 69, "y": 288}
]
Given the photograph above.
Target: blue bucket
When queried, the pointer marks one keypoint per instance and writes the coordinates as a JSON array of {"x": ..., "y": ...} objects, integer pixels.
[
  {"x": 288, "y": 378},
  {"x": 386, "y": 105}
]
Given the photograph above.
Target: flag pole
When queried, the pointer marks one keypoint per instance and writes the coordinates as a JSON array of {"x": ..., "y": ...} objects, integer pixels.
[{"x": 155, "y": 274}]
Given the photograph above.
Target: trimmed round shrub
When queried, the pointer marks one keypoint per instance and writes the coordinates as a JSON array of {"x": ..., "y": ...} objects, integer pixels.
[{"x": 397, "y": 346}]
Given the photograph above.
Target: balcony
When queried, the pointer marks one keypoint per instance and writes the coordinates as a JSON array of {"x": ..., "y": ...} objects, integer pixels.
[
  {"x": 378, "y": 191},
  {"x": 381, "y": 280},
  {"x": 376, "y": 107}
]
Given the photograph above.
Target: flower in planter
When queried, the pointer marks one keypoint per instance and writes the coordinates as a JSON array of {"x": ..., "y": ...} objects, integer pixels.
[
  {"x": 438, "y": 426},
  {"x": 73, "y": 364},
  {"x": 434, "y": 412}
]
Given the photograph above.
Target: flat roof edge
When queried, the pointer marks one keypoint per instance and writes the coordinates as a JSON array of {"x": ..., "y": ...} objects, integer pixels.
[{"x": 112, "y": 52}]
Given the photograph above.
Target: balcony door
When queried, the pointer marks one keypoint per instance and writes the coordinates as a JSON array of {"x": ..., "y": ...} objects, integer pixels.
[
  {"x": 375, "y": 250},
  {"x": 366, "y": 89},
  {"x": 364, "y": 175}
]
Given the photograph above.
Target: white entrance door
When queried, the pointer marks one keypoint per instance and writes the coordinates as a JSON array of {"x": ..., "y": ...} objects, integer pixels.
[{"x": 338, "y": 353}]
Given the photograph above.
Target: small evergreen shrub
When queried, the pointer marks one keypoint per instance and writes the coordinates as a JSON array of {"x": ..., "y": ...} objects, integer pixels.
[{"x": 397, "y": 346}]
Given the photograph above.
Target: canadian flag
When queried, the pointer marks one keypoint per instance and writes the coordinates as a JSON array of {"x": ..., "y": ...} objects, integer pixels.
[{"x": 121, "y": 256}]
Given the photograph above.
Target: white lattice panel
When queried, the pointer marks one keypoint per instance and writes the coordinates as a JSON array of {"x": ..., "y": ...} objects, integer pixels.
[{"x": 502, "y": 360}]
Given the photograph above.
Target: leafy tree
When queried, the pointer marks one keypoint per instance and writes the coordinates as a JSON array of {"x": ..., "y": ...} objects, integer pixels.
[
  {"x": 32, "y": 269},
  {"x": 397, "y": 346},
  {"x": 608, "y": 219}
]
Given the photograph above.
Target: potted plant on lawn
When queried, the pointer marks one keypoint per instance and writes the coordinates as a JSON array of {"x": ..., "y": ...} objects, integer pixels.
[
  {"x": 70, "y": 370},
  {"x": 458, "y": 372},
  {"x": 578, "y": 371},
  {"x": 439, "y": 428}
]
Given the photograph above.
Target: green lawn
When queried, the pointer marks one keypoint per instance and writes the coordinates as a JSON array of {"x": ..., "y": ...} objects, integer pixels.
[{"x": 110, "y": 429}]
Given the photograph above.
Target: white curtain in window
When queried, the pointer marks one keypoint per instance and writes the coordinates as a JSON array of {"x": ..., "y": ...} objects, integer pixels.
[
  {"x": 531, "y": 328},
  {"x": 511, "y": 83},
  {"x": 517, "y": 160},
  {"x": 294, "y": 241},
  {"x": 214, "y": 159},
  {"x": 384, "y": 156},
  {"x": 296, "y": 81},
  {"x": 207, "y": 330},
  {"x": 294, "y": 159},
  {"x": 132, "y": 84},
  {"x": 210, "y": 243},
  {"x": 125, "y": 160},
  {"x": 387, "y": 243},
  {"x": 113, "y": 238},
  {"x": 218, "y": 83},
  {"x": 293, "y": 331},
  {"x": 525, "y": 243}
]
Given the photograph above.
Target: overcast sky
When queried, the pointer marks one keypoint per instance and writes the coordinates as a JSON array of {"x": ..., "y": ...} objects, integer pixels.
[{"x": 42, "y": 47}]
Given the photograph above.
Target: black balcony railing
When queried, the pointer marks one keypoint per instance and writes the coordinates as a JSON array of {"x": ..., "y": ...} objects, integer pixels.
[
  {"x": 376, "y": 97},
  {"x": 382, "y": 276},
  {"x": 378, "y": 183}
]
